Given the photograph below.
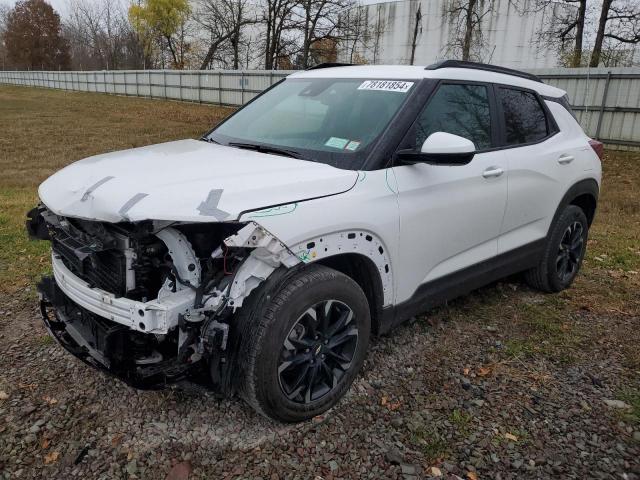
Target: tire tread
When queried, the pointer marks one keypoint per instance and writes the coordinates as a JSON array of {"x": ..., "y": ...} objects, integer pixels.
[
  {"x": 262, "y": 317},
  {"x": 540, "y": 277}
]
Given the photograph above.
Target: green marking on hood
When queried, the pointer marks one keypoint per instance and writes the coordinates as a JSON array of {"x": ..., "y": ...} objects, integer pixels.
[{"x": 273, "y": 211}]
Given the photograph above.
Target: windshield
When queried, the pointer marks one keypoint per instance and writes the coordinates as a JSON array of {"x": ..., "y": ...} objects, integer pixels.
[{"x": 333, "y": 121}]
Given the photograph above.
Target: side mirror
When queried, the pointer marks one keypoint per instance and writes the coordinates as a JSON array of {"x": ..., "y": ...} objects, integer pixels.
[{"x": 441, "y": 148}]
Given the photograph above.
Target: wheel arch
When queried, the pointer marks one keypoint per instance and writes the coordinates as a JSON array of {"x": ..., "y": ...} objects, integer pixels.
[
  {"x": 362, "y": 270},
  {"x": 583, "y": 194},
  {"x": 361, "y": 243}
]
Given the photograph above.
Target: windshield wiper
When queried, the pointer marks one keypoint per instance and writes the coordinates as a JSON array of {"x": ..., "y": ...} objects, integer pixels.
[
  {"x": 210, "y": 140},
  {"x": 257, "y": 147}
]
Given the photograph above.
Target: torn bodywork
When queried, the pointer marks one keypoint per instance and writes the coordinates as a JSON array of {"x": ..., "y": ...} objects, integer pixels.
[{"x": 152, "y": 302}]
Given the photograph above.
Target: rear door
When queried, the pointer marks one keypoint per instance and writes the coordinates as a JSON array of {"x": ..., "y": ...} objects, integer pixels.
[
  {"x": 542, "y": 159},
  {"x": 450, "y": 216}
]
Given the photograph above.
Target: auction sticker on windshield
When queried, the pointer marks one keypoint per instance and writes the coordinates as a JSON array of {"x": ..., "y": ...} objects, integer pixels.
[{"x": 386, "y": 85}]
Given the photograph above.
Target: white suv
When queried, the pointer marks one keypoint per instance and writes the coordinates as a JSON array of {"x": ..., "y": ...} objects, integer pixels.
[{"x": 260, "y": 258}]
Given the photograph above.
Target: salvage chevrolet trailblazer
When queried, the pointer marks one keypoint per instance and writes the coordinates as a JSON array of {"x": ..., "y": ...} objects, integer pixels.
[{"x": 260, "y": 259}]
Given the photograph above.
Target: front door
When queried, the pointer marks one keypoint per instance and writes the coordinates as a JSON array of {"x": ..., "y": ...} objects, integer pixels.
[{"x": 450, "y": 216}]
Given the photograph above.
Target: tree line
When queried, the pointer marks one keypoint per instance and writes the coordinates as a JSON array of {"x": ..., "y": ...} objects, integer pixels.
[
  {"x": 285, "y": 34},
  {"x": 177, "y": 34},
  {"x": 581, "y": 32}
]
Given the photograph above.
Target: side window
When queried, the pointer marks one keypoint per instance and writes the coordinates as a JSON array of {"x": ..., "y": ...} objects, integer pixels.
[
  {"x": 524, "y": 117},
  {"x": 460, "y": 110}
]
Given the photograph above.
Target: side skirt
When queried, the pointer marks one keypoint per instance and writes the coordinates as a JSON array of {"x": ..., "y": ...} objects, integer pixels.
[{"x": 441, "y": 290}]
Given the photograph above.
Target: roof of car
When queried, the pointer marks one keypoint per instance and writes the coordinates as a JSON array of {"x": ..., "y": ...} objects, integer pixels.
[{"x": 414, "y": 72}]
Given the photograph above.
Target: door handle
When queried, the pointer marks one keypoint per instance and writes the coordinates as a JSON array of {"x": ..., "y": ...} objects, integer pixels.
[
  {"x": 492, "y": 172},
  {"x": 565, "y": 159}
]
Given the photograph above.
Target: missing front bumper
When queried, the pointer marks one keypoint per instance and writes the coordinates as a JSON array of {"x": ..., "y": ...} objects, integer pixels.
[{"x": 142, "y": 360}]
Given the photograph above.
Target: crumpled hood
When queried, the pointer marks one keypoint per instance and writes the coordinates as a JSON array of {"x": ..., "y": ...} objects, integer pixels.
[{"x": 187, "y": 180}]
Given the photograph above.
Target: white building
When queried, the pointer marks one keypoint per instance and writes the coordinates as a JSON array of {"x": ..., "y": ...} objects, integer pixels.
[{"x": 508, "y": 36}]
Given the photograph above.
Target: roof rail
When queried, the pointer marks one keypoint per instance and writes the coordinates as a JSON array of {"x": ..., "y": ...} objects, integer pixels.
[
  {"x": 329, "y": 65},
  {"x": 483, "y": 66}
]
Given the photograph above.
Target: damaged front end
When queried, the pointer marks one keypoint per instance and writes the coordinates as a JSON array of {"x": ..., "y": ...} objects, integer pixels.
[{"x": 152, "y": 302}]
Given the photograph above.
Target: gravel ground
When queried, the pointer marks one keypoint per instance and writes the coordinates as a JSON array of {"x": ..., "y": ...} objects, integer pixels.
[{"x": 479, "y": 389}]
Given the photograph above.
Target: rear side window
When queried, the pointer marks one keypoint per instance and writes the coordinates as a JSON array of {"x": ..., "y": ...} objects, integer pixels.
[
  {"x": 458, "y": 109},
  {"x": 524, "y": 117}
]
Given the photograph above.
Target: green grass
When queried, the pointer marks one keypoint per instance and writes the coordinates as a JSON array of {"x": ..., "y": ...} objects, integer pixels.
[
  {"x": 632, "y": 397},
  {"x": 461, "y": 420},
  {"x": 45, "y": 340},
  {"x": 431, "y": 443},
  {"x": 545, "y": 329}
]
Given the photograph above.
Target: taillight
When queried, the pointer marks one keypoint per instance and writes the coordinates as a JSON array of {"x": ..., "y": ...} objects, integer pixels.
[{"x": 598, "y": 147}]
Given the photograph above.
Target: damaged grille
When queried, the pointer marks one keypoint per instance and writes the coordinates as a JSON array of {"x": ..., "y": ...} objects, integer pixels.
[
  {"x": 105, "y": 269},
  {"x": 124, "y": 259}
]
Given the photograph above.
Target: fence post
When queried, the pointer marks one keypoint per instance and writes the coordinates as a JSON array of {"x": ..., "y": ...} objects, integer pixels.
[
  {"x": 180, "y": 83},
  {"x": 603, "y": 104},
  {"x": 199, "y": 74},
  {"x": 164, "y": 72},
  {"x": 150, "y": 87},
  {"x": 220, "y": 87},
  {"x": 137, "y": 85},
  {"x": 242, "y": 93}
]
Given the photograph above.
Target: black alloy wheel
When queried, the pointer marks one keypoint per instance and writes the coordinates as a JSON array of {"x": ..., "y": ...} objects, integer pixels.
[
  {"x": 563, "y": 252},
  {"x": 303, "y": 339},
  {"x": 318, "y": 351},
  {"x": 570, "y": 252}
]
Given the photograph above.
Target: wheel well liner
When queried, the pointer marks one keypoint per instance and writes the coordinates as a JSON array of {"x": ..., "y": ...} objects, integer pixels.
[
  {"x": 587, "y": 202},
  {"x": 362, "y": 270},
  {"x": 583, "y": 194}
]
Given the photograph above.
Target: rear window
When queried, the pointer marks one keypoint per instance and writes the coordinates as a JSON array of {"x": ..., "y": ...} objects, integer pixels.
[{"x": 524, "y": 117}]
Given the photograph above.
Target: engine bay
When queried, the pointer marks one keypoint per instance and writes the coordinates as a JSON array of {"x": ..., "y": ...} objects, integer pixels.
[{"x": 151, "y": 302}]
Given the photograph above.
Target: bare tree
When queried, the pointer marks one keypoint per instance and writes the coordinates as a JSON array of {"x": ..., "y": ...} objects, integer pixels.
[
  {"x": 278, "y": 19},
  {"x": 619, "y": 21},
  {"x": 4, "y": 12},
  {"x": 320, "y": 19},
  {"x": 465, "y": 35},
  {"x": 563, "y": 30},
  {"x": 417, "y": 30},
  {"x": 355, "y": 33},
  {"x": 101, "y": 36},
  {"x": 378, "y": 30},
  {"x": 224, "y": 21}
]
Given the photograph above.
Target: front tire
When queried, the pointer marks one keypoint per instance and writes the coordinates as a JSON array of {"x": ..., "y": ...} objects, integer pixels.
[
  {"x": 305, "y": 344},
  {"x": 563, "y": 253}
]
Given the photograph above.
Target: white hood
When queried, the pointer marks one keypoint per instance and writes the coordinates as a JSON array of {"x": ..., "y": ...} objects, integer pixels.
[{"x": 187, "y": 180}]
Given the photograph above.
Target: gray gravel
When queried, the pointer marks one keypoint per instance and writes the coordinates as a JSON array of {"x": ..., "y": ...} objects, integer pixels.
[{"x": 439, "y": 397}]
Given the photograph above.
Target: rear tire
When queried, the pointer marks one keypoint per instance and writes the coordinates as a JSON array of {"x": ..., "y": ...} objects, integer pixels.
[
  {"x": 563, "y": 252},
  {"x": 305, "y": 343}
]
